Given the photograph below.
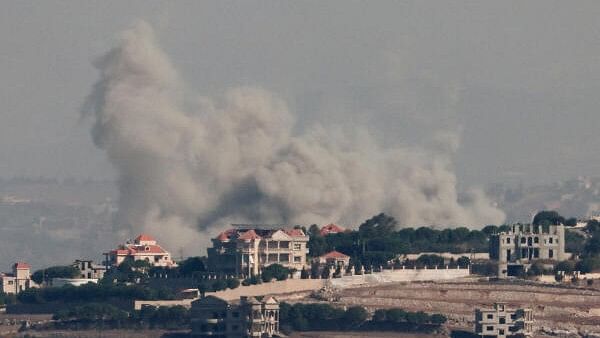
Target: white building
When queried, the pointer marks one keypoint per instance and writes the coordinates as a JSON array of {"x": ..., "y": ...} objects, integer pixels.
[
  {"x": 145, "y": 248},
  {"x": 18, "y": 280}
]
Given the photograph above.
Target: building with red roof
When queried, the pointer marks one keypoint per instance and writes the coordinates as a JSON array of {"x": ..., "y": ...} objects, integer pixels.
[
  {"x": 144, "y": 247},
  {"x": 331, "y": 229},
  {"x": 18, "y": 280},
  {"x": 334, "y": 258},
  {"x": 247, "y": 249}
]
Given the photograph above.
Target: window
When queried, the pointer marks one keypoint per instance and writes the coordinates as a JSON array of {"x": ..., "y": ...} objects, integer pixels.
[
  {"x": 10, "y": 282},
  {"x": 550, "y": 240},
  {"x": 490, "y": 316},
  {"x": 502, "y": 320},
  {"x": 297, "y": 246},
  {"x": 489, "y": 328},
  {"x": 272, "y": 258},
  {"x": 297, "y": 259},
  {"x": 508, "y": 255},
  {"x": 523, "y": 240},
  {"x": 508, "y": 240},
  {"x": 284, "y": 245},
  {"x": 550, "y": 253},
  {"x": 536, "y": 240},
  {"x": 284, "y": 258},
  {"x": 501, "y": 332},
  {"x": 273, "y": 244}
]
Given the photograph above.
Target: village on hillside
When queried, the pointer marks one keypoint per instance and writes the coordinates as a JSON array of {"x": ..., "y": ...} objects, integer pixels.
[{"x": 261, "y": 280}]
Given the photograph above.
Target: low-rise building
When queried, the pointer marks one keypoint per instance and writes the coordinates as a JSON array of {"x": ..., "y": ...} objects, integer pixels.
[
  {"x": 89, "y": 270},
  {"x": 17, "y": 281},
  {"x": 502, "y": 322},
  {"x": 516, "y": 249},
  {"x": 247, "y": 249},
  {"x": 215, "y": 317},
  {"x": 144, "y": 247},
  {"x": 334, "y": 258}
]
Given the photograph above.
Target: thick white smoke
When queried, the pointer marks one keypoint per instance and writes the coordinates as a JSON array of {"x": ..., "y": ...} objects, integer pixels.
[{"x": 184, "y": 167}]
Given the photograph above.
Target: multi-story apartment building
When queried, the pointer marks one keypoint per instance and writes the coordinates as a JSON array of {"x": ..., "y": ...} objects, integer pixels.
[
  {"x": 246, "y": 250},
  {"x": 501, "y": 322},
  {"x": 18, "y": 280},
  {"x": 516, "y": 249},
  {"x": 216, "y": 318},
  {"x": 144, "y": 247}
]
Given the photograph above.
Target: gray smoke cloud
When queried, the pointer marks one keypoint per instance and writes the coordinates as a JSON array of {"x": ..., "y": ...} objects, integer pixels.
[{"x": 187, "y": 163}]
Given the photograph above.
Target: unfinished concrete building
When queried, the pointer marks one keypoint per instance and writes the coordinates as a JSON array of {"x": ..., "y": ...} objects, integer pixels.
[
  {"x": 501, "y": 322},
  {"x": 516, "y": 249},
  {"x": 216, "y": 318}
]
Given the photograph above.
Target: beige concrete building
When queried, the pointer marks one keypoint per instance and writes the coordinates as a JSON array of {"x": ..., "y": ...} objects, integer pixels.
[
  {"x": 515, "y": 250},
  {"x": 144, "y": 247},
  {"x": 216, "y": 318},
  {"x": 501, "y": 322},
  {"x": 18, "y": 280},
  {"x": 246, "y": 250},
  {"x": 334, "y": 258},
  {"x": 89, "y": 270}
]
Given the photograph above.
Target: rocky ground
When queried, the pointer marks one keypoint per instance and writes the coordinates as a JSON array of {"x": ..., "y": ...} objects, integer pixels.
[{"x": 556, "y": 308}]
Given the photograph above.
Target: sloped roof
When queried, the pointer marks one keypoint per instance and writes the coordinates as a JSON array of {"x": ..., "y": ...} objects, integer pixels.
[
  {"x": 331, "y": 229},
  {"x": 248, "y": 235},
  {"x": 335, "y": 254},
  {"x": 22, "y": 265},
  {"x": 295, "y": 232}
]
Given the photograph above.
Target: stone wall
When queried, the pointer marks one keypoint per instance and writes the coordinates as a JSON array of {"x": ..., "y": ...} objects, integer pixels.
[
  {"x": 399, "y": 275},
  {"x": 272, "y": 288}
]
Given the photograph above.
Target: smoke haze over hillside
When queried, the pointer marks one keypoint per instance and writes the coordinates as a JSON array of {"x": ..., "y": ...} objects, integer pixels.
[{"x": 187, "y": 161}]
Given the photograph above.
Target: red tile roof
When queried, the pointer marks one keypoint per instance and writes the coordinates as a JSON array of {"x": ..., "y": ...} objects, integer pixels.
[
  {"x": 335, "y": 254},
  {"x": 226, "y": 235},
  {"x": 22, "y": 265},
  {"x": 295, "y": 232},
  {"x": 139, "y": 249},
  {"x": 331, "y": 229},
  {"x": 144, "y": 237},
  {"x": 248, "y": 235}
]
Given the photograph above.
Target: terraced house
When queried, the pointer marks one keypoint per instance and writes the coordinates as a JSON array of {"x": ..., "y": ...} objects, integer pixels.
[{"x": 246, "y": 249}]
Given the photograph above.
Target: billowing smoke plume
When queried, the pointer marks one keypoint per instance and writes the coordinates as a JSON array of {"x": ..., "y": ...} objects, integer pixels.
[{"x": 186, "y": 166}]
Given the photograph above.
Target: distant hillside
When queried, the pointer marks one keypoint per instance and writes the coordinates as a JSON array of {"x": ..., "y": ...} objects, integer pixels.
[{"x": 572, "y": 198}]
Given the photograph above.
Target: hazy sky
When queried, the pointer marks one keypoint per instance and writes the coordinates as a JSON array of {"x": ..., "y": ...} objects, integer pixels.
[{"x": 519, "y": 81}]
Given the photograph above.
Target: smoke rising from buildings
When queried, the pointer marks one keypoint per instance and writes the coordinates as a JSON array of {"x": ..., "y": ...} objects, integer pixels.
[{"x": 187, "y": 163}]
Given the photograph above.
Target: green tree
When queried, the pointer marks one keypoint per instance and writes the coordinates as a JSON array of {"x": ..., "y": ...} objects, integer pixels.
[
  {"x": 192, "y": 265},
  {"x": 48, "y": 274},
  {"x": 547, "y": 217},
  {"x": 233, "y": 283},
  {"x": 276, "y": 271},
  {"x": 355, "y": 316}
]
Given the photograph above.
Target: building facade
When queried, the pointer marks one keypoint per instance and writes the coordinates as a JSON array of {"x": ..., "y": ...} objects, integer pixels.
[
  {"x": 246, "y": 251},
  {"x": 17, "y": 281},
  {"x": 144, "y": 247},
  {"x": 216, "y": 318},
  {"x": 334, "y": 258},
  {"x": 89, "y": 270},
  {"x": 501, "y": 322},
  {"x": 515, "y": 250}
]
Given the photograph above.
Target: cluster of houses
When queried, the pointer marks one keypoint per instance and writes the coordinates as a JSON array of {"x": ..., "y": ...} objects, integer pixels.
[{"x": 245, "y": 250}]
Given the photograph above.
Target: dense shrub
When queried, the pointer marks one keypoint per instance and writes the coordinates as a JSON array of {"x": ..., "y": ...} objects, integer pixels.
[{"x": 55, "y": 272}]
